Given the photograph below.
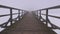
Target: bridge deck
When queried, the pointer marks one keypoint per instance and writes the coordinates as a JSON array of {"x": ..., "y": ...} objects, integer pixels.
[{"x": 29, "y": 25}]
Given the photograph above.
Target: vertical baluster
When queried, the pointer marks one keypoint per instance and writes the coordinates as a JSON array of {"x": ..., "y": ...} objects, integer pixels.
[
  {"x": 11, "y": 16},
  {"x": 37, "y": 14},
  {"x": 19, "y": 14},
  {"x": 22, "y": 13},
  {"x": 40, "y": 14},
  {"x": 47, "y": 17}
]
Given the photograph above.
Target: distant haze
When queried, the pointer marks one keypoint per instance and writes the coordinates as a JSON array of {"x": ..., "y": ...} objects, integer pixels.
[{"x": 30, "y": 4}]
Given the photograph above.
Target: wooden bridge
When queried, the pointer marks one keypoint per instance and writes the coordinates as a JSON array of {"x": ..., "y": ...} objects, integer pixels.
[{"x": 28, "y": 22}]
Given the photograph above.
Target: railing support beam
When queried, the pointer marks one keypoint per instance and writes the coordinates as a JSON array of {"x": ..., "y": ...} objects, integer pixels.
[
  {"x": 11, "y": 16},
  {"x": 19, "y": 14},
  {"x": 47, "y": 17},
  {"x": 40, "y": 14}
]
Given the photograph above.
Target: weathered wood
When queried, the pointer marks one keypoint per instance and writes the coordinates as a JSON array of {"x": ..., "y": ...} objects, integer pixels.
[
  {"x": 40, "y": 14},
  {"x": 52, "y": 16},
  {"x": 8, "y": 15},
  {"x": 29, "y": 25},
  {"x": 11, "y": 16},
  {"x": 2, "y": 6},
  {"x": 47, "y": 17},
  {"x": 19, "y": 14}
]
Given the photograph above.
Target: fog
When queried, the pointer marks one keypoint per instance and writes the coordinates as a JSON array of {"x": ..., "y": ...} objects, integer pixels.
[{"x": 31, "y": 5}]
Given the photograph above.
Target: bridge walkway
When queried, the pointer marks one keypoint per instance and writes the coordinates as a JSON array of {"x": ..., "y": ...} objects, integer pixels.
[{"x": 29, "y": 25}]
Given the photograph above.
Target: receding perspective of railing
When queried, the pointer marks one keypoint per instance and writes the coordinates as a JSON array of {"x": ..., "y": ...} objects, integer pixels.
[
  {"x": 39, "y": 17},
  {"x": 4, "y": 25}
]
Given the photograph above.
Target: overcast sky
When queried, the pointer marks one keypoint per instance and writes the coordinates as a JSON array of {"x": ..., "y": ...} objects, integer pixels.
[{"x": 30, "y": 4}]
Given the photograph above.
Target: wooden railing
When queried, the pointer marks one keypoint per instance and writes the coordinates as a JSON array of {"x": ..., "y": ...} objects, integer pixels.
[
  {"x": 4, "y": 25},
  {"x": 53, "y": 26}
]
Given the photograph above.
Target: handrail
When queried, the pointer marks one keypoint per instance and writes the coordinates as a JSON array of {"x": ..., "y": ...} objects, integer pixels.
[
  {"x": 11, "y": 14},
  {"x": 47, "y": 15},
  {"x": 8, "y": 14},
  {"x": 2, "y": 6},
  {"x": 54, "y": 7},
  {"x": 52, "y": 16}
]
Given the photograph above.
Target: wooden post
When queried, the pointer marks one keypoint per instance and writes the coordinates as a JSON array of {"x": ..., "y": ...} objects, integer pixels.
[
  {"x": 40, "y": 14},
  {"x": 19, "y": 14},
  {"x": 37, "y": 14},
  {"x": 47, "y": 17},
  {"x": 11, "y": 16},
  {"x": 22, "y": 12}
]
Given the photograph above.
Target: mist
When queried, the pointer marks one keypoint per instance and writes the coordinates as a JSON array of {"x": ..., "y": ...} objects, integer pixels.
[{"x": 30, "y": 5}]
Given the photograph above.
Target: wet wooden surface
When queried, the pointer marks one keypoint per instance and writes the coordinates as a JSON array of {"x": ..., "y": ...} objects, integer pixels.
[{"x": 29, "y": 25}]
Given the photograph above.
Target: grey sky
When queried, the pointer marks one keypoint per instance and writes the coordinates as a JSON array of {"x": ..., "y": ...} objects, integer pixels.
[{"x": 30, "y": 4}]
